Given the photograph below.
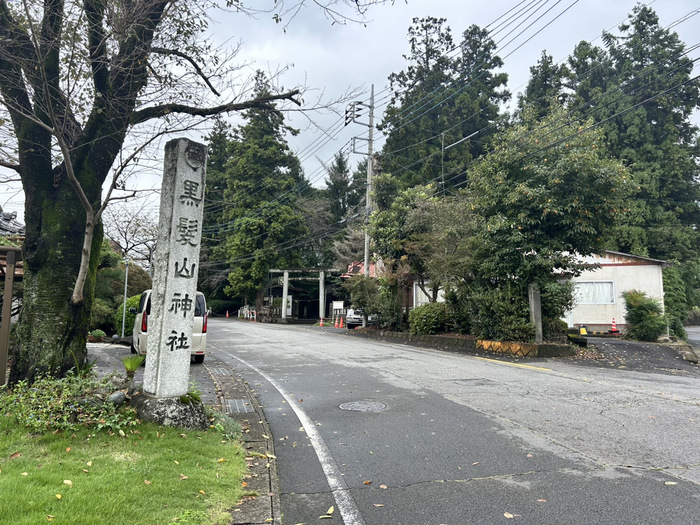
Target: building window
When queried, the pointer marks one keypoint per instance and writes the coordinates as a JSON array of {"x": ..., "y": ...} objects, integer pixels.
[{"x": 600, "y": 292}]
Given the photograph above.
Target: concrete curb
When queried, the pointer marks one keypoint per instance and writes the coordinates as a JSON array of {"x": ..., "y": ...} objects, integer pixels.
[
  {"x": 471, "y": 345},
  {"x": 688, "y": 352},
  {"x": 236, "y": 399}
]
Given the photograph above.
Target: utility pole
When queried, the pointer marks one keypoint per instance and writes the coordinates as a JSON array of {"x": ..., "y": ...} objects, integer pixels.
[
  {"x": 352, "y": 113},
  {"x": 368, "y": 202}
]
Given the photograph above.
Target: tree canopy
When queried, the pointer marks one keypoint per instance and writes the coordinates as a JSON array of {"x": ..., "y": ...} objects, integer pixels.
[
  {"x": 639, "y": 88},
  {"x": 78, "y": 80},
  {"x": 263, "y": 223},
  {"x": 438, "y": 100}
]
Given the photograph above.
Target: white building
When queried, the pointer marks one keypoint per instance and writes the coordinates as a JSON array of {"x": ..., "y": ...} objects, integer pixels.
[{"x": 598, "y": 295}]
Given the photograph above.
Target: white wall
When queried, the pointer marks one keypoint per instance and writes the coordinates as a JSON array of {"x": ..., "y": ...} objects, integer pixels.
[
  {"x": 626, "y": 273},
  {"x": 420, "y": 298}
]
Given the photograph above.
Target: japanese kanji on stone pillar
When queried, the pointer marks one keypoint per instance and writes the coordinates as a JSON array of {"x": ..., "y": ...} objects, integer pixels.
[{"x": 175, "y": 266}]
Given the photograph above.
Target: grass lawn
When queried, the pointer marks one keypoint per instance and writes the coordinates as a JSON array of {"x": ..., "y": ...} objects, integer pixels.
[{"x": 144, "y": 474}]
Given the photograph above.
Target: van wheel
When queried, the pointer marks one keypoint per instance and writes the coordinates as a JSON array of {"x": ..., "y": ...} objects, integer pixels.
[
  {"x": 198, "y": 359},
  {"x": 133, "y": 349}
]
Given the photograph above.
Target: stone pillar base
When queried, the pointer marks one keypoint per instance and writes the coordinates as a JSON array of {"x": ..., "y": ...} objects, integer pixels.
[{"x": 182, "y": 412}]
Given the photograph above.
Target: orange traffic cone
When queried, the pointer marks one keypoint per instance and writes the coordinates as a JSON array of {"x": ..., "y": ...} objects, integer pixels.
[
  {"x": 614, "y": 326},
  {"x": 226, "y": 314},
  {"x": 342, "y": 324},
  {"x": 336, "y": 323},
  {"x": 321, "y": 325}
]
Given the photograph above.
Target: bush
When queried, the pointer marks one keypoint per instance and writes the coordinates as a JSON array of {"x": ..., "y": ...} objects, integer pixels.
[
  {"x": 364, "y": 292},
  {"x": 458, "y": 308},
  {"x": 554, "y": 330},
  {"x": 501, "y": 314},
  {"x": 675, "y": 301},
  {"x": 63, "y": 404},
  {"x": 131, "y": 302},
  {"x": 98, "y": 334},
  {"x": 103, "y": 316},
  {"x": 693, "y": 318},
  {"x": 386, "y": 306},
  {"x": 557, "y": 299},
  {"x": 645, "y": 319},
  {"x": 428, "y": 319}
]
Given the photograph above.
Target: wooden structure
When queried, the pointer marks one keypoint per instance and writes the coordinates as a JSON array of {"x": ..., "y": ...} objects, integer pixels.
[{"x": 10, "y": 257}]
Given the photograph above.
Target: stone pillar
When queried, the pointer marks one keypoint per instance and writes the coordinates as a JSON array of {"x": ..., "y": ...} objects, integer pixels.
[
  {"x": 535, "y": 310},
  {"x": 175, "y": 266},
  {"x": 285, "y": 291},
  {"x": 322, "y": 294}
]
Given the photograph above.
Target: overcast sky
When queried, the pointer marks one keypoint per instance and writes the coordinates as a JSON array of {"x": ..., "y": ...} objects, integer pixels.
[
  {"x": 333, "y": 58},
  {"x": 336, "y": 57}
]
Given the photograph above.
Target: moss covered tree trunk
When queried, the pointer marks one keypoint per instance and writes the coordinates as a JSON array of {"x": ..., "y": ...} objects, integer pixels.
[
  {"x": 72, "y": 81},
  {"x": 52, "y": 330}
]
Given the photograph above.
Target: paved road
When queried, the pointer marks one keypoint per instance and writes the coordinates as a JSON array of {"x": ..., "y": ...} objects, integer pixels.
[
  {"x": 693, "y": 335},
  {"x": 456, "y": 439}
]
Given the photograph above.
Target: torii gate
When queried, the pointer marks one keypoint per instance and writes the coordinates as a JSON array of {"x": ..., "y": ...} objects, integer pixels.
[{"x": 321, "y": 288}]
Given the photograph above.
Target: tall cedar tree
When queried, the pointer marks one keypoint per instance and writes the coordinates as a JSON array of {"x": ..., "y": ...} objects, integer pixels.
[
  {"x": 213, "y": 275},
  {"x": 640, "y": 87},
  {"x": 440, "y": 98},
  {"x": 338, "y": 187},
  {"x": 544, "y": 90},
  {"x": 264, "y": 225}
]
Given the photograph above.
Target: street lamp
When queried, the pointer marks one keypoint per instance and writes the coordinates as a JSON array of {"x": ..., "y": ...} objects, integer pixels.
[{"x": 126, "y": 281}]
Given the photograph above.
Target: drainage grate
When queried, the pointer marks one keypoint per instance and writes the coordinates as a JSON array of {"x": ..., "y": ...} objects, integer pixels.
[
  {"x": 219, "y": 371},
  {"x": 238, "y": 406},
  {"x": 363, "y": 406}
]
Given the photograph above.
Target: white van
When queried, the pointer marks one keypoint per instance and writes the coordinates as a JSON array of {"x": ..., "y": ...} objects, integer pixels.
[{"x": 199, "y": 329}]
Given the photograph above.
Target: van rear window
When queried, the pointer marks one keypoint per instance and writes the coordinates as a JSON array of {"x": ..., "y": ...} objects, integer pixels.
[{"x": 200, "y": 307}]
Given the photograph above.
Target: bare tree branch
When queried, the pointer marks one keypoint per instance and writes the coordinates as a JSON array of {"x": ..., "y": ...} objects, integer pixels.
[
  {"x": 184, "y": 56},
  {"x": 143, "y": 115},
  {"x": 9, "y": 165}
]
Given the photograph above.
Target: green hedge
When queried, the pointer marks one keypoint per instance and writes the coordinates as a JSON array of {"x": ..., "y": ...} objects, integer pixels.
[
  {"x": 645, "y": 319},
  {"x": 430, "y": 318},
  {"x": 131, "y": 302}
]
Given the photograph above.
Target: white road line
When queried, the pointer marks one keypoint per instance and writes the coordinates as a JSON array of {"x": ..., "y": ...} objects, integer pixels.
[{"x": 343, "y": 499}]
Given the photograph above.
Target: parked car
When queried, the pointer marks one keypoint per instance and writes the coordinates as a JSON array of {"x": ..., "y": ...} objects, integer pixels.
[
  {"x": 199, "y": 329},
  {"x": 353, "y": 318}
]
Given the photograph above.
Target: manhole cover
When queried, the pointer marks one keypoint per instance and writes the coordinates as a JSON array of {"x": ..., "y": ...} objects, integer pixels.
[{"x": 363, "y": 406}]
